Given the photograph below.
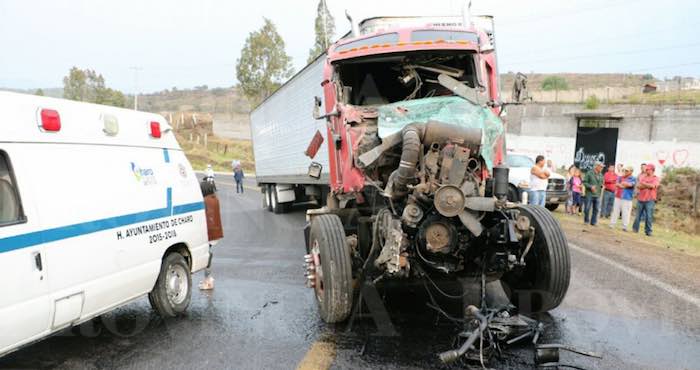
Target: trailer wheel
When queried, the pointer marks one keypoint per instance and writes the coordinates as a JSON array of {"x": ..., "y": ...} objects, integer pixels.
[
  {"x": 552, "y": 206},
  {"x": 333, "y": 268},
  {"x": 267, "y": 202},
  {"x": 276, "y": 206},
  {"x": 173, "y": 290},
  {"x": 542, "y": 284}
]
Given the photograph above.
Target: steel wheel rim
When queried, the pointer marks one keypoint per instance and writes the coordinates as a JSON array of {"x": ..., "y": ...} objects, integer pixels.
[
  {"x": 318, "y": 271},
  {"x": 176, "y": 284}
]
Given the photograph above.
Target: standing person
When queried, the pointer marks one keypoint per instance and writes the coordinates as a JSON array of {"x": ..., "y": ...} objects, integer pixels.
[
  {"x": 609, "y": 181},
  {"x": 539, "y": 176},
  {"x": 646, "y": 200},
  {"x": 636, "y": 190},
  {"x": 623, "y": 198},
  {"x": 576, "y": 189},
  {"x": 238, "y": 176},
  {"x": 214, "y": 230},
  {"x": 593, "y": 184},
  {"x": 569, "y": 191}
]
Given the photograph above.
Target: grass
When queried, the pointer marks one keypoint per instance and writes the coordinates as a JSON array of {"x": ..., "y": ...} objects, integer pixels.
[
  {"x": 670, "y": 97},
  {"x": 663, "y": 237},
  {"x": 219, "y": 153}
]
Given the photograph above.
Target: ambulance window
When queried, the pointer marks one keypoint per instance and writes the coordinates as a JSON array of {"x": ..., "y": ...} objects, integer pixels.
[{"x": 10, "y": 205}]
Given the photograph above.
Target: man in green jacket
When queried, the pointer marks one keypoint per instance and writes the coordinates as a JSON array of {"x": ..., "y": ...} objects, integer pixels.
[{"x": 593, "y": 181}]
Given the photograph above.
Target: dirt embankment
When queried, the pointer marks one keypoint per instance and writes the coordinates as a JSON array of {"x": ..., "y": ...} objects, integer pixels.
[{"x": 678, "y": 200}]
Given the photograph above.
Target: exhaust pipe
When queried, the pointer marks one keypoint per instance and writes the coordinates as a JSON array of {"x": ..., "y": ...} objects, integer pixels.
[{"x": 353, "y": 26}]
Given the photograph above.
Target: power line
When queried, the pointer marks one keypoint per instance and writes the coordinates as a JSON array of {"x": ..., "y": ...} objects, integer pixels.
[
  {"x": 565, "y": 12},
  {"x": 666, "y": 67},
  {"x": 598, "y": 40},
  {"x": 626, "y": 52}
]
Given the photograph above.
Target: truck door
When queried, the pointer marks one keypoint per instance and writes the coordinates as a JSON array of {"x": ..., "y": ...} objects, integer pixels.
[{"x": 24, "y": 304}]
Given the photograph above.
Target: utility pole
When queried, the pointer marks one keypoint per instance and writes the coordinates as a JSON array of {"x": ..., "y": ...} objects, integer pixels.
[{"x": 136, "y": 86}]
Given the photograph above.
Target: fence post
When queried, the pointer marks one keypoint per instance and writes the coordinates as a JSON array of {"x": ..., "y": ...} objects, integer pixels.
[{"x": 696, "y": 200}]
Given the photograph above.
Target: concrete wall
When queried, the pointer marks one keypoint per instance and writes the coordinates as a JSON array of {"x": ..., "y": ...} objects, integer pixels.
[
  {"x": 603, "y": 94},
  {"x": 663, "y": 135}
]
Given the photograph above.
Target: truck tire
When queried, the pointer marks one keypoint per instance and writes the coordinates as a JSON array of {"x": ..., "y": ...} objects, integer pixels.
[
  {"x": 542, "y": 284},
  {"x": 333, "y": 268},
  {"x": 276, "y": 206},
  {"x": 552, "y": 206},
  {"x": 173, "y": 290},
  {"x": 267, "y": 201}
]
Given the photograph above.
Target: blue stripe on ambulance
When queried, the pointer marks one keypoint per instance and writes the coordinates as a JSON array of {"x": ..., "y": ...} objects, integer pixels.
[{"x": 71, "y": 231}]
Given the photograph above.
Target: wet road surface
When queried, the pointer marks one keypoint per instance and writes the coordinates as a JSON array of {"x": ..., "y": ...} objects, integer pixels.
[{"x": 260, "y": 316}]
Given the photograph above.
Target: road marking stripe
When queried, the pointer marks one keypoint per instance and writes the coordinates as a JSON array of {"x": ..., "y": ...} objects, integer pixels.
[
  {"x": 319, "y": 357},
  {"x": 679, "y": 293}
]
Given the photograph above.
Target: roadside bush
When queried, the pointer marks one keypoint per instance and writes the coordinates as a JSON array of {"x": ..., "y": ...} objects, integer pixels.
[
  {"x": 592, "y": 102},
  {"x": 554, "y": 83}
]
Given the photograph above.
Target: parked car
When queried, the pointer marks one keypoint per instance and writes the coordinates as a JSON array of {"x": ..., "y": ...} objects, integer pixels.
[{"x": 519, "y": 178}]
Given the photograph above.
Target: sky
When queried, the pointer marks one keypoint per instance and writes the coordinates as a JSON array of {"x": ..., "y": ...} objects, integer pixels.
[{"x": 152, "y": 45}]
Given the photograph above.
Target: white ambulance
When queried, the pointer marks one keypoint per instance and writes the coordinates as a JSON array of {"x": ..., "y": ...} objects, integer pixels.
[{"x": 98, "y": 207}]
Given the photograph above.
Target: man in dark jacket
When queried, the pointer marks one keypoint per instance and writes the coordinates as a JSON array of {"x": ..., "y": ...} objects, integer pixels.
[
  {"x": 593, "y": 182},
  {"x": 238, "y": 176}
]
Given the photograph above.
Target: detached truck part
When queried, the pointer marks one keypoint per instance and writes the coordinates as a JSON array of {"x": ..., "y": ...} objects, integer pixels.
[{"x": 415, "y": 157}]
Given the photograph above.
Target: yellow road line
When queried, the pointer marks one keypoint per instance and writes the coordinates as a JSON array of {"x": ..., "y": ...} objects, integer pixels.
[{"x": 319, "y": 357}]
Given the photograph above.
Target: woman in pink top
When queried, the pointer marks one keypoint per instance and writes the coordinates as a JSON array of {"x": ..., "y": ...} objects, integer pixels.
[{"x": 576, "y": 188}]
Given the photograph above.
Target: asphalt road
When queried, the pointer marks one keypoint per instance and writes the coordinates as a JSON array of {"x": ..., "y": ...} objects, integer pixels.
[{"x": 260, "y": 316}]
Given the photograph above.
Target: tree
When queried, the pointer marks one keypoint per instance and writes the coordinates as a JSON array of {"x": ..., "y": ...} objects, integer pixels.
[
  {"x": 75, "y": 85},
  {"x": 554, "y": 83},
  {"x": 39, "y": 92},
  {"x": 325, "y": 30},
  {"x": 89, "y": 86},
  {"x": 263, "y": 64}
]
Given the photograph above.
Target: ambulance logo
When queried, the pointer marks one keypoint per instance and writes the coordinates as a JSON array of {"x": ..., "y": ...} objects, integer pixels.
[{"x": 145, "y": 176}]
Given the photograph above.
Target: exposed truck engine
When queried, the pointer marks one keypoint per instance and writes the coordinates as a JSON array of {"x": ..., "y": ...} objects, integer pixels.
[{"x": 418, "y": 189}]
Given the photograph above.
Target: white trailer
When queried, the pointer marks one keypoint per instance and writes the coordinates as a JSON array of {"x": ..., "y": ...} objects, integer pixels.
[{"x": 282, "y": 127}]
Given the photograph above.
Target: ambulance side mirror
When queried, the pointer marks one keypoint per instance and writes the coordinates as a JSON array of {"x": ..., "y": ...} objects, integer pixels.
[{"x": 317, "y": 108}]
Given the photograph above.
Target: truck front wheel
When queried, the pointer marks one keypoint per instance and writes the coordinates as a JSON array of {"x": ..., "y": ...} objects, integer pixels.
[
  {"x": 173, "y": 290},
  {"x": 542, "y": 284},
  {"x": 333, "y": 268}
]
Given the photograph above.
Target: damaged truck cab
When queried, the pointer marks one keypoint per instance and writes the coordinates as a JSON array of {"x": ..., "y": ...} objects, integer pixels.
[{"x": 418, "y": 189}]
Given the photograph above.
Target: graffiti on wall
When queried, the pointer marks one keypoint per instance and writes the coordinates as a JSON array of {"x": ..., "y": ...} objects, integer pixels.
[
  {"x": 676, "y": 157},
  {"x": 586, "y": 161}
]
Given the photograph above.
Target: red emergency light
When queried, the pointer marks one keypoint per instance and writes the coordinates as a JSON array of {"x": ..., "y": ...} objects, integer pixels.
[
  {"x": 155, "y": 129},
  {"x": 50, "y": 120}
]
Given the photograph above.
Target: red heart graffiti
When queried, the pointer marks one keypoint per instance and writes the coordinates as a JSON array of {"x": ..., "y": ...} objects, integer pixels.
[
  {"x": 661, "y": 156},
  {"x": 680, "y": 157}
]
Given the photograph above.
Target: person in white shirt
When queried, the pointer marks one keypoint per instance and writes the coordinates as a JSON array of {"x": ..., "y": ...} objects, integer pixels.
[{"x": 539, "y": 177}]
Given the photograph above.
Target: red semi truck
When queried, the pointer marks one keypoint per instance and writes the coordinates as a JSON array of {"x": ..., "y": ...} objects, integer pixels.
[{"x": 408, "y": 155}]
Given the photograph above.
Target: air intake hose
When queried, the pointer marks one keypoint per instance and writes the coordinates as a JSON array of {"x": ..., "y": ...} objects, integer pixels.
[{"x": 409, "y": 158}]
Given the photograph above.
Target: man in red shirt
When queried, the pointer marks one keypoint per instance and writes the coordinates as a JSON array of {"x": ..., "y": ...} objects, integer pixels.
[
  {"x": 609, "y": 181},
  {"x": 646, "y": 200}
]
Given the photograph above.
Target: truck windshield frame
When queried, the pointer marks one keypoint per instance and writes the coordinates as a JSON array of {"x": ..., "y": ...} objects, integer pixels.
[
  {"x": 445, "y": 35},
  {"x": 387, "y": 38}
]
